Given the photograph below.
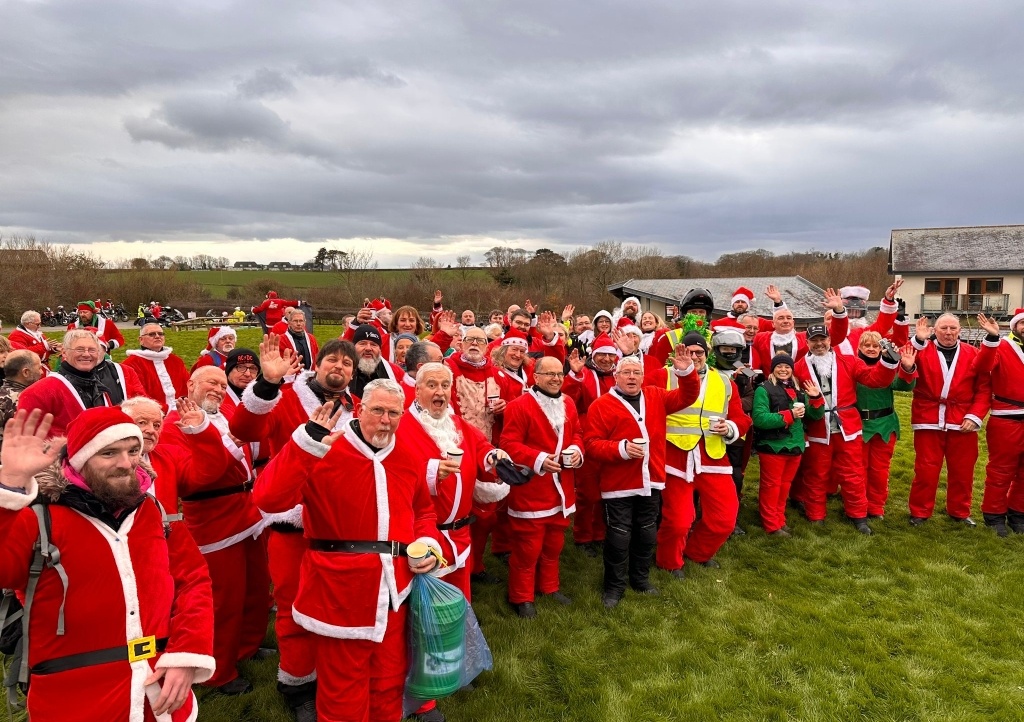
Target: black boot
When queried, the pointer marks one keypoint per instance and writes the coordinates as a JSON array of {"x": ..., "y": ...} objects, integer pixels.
[
  {"x": 1015, "y": 519},
  {"x": 997, "y": 522},
  {"x": 301, "y": 698}
]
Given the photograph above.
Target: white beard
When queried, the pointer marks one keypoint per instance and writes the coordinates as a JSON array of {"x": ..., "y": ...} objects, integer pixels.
[
  {"x": 822, "y": 365},
  {"x": 443, "y": 431},
  {"x": 554, "y": 410},
  {"x": 368, "y": 366}
]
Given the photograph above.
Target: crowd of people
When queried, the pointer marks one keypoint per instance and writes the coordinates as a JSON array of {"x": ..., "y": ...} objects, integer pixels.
[{"x": 152, "y": 515}]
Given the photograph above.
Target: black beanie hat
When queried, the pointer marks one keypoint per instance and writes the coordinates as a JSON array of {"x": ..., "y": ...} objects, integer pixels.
[
  {"x": 241, "y": 356},
  {"x": 782, "y": 358},
  {"x": 366, "y": 332},
  {"x": 695, "y": 338}
]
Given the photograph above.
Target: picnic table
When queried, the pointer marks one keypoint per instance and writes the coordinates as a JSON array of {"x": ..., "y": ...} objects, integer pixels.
[{"x": 209, "y": 322}]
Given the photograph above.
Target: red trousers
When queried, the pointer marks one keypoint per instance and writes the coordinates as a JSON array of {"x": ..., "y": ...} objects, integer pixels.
[
  {"x": 487, "y": 517},
  {"x": 533, "y": 565},
  {"x": 588, "y": 524},
  {"x": 241, "y": 600},
  {"x": 777, "y": 472},
  {"x": 1004, "y": 475},
  {"x": 960, "y": 450},
  {"x": 297, "y": 646},
  {"x": 360, "y": 680},
  {"x": 719, "y": 506},
  {"x": 877, "y": 460},
  {"x": 843, "y": 458}
]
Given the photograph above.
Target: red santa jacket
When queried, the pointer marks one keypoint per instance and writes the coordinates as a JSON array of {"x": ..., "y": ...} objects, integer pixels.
[
  {"x": 884, "y": 324},
  {"x": 273, "y": 309},
  {"x": 686, "y": 464},
  {"x": 55, "y": 395},
  {"x": 585, "y": 388},
  {"x": 287, "y": 342},
  {"x": 453, "y": 495},
  {"x": 105, "y": 329},
  {"x": 847, "y": 372},
  {"x": 471, "y": 385},
  {"x": 350, "y": 492},
  {"x": 945, "y": 395},
  {"x": 174, "y": 468},
  {"x": 612, "y": 421},
  {"x": 223, "y": 520},
  {"x": 123, "y": 585},
  {"x": 529, "y": 438},
  {"x": 209, "y": 358},
  {"x": 511, "y": 386},
  {"x": 761, "y": 351},
  {"x": 1001, "y": 376},
  {"x": 23, "y": 339},
  {"x": 163, "y": 375}
]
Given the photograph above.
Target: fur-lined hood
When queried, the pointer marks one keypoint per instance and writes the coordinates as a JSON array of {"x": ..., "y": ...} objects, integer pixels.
[{"x": 53, "y": 480}]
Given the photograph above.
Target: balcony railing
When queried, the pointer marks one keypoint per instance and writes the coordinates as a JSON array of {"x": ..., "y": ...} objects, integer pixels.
[{"x": 997, "y": 303}]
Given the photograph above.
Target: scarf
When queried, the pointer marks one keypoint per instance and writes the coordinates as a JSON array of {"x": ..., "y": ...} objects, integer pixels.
[{"x": 88, "y": 386}]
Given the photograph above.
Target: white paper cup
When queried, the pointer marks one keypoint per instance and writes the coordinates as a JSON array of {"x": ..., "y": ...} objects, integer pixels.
[
  {"x": 417, "y": 551},
  {"x": 798, "y": 405},
  {"x": 713, "y": 420},
  {"x": 491, "y": 401},
  {"x": 567, "y": 458},
  {"x": 642, "y": 443}
]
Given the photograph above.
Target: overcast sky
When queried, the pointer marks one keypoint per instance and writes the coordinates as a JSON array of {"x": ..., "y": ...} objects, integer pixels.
[{"x": 264, "y": 130}]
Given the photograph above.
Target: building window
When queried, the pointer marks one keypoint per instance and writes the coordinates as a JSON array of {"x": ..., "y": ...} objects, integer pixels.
[
  {"x": 940, "y": 294},
  {"x": 985, "y": 295},
  {"x": 984, "y": 285}
]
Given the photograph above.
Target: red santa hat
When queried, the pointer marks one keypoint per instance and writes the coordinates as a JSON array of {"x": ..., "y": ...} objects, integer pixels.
[
  {"x": 94, "y": 429},
  {"x": 379, "y": 304},
  {"x": 855, "y": 292},
  {"x": 603, "y": 344},
  {"x": 631, "y": 328},
  {"x": 515, "y": 337},
  {"x": 1018, "y": 316},
  {"x": 743, "y": 294},
  {"x": 727, "y": 322},
  {"x": 216, "y": 334}
]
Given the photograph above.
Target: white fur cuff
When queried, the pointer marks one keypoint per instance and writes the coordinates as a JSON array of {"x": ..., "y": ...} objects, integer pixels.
[
  {"x": 202, "y": 663},
  {"x": 191, "y": 430},
  {"x": 306, "y": 443},
  {"x": 254, "y": 404},
  {"x": 15, "y": 501}
]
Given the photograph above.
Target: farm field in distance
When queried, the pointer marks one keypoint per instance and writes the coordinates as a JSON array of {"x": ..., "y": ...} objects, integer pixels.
[{"x": 218, "y": 282}]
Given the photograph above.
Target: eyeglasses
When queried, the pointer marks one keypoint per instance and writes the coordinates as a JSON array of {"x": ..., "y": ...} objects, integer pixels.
[
  {"x": 155, "y": 334},
  {"x": 247, "y": 369},
  {"x": 697, "y": 353},
  {"x": 555, "y": 374},
  {"x": 630, "y": 373},
  {"x": 475, "y": 341},
  {"x": 380, "y": 411},
  {"x": 83, "y": 351}
]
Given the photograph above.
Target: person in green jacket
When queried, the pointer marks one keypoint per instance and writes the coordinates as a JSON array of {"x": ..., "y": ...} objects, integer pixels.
[
  {"x": 778, "y": 412},
  {"x": 878, "y": 415}
]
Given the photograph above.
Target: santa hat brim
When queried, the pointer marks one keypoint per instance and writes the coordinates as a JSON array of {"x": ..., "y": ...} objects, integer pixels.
[
  {"x": 515, "y": 341},
  {"x": 1017, "y": 318},
  {"x": 108, "y": 436}
]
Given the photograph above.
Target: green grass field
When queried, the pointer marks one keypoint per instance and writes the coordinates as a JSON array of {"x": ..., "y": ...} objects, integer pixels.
[
  {"x": 909, "y": 624},
  {"x": 218, "y": 282}
]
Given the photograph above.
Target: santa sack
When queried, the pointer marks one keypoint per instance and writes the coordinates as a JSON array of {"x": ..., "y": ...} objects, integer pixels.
[{"x": 437, "y": 639}]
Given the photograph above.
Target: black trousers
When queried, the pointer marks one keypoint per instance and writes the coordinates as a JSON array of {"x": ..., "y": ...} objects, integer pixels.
[{"x": 632, "y": 529}]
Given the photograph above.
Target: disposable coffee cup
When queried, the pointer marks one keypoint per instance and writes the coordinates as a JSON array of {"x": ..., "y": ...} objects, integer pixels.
[
  {"x": 567, "y": 458},
  {"x": 492, "y": 400},
  {"x": 642, "y": 443},
  {"x": 713, "y": 420},
  {"x": 455, "y": 454},
  {"x": 798, "y": 405},
  {"x": 417, "y": 551}
]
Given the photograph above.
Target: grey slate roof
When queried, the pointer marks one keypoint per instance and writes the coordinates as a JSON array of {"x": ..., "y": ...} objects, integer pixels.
[
  {"x": 970, "y": 248},
  {"x": 803, "y": 297}
]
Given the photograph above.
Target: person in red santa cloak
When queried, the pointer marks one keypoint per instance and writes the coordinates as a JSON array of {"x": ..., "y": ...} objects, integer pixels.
[
  {"x": 105, "y": 329},
  {"x": 370, "y": 363},
  {"x": 835, "y": 444},
  {"x": 219, "y": 342},
  {"x": 363, "y": 503},
  {"x": 122, "y": 620},
  {"x": 542, "y": 432},
  {"x": 376, "y": 313},
  {"x": 624, "y": 433},
  {"x": 476, "y": 390},
  {"x": 273, "y": 308},
  {"x": 589, "y": 379},
  {"x": 784, "y": 339},
  {"x": 628, "y": 314},
  {"x": 28, "y": 336},
  {"x": 946, "y": 414},
  {"x": 696, "y": 459},
  {"x": 298, "y": 339},
  {"x": 1001, "y": 380},
  {"x": 888, "y": 324},
  {"x": 162, "y": 374},
  {"x": 540, "y": 331},
  {"x": 83, "y": 380},
  {"x": 220, "y": 513},
  {"x": 742, "y": 300},
  {"x": 271, "y": 410}
]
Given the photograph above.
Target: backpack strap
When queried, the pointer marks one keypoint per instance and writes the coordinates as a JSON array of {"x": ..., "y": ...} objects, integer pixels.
[
  {"x": 165, "y": 518},
  {"x": 44, "y": 554}
]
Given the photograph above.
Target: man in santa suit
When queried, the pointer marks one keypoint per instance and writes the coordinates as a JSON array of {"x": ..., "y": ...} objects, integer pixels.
[
  {"x": 742, "y": 300},
  {"x": 369, "y": 341},
  {"x": 784, "y": 339},
  {"x": 220, "y": 513},
  {"x": 628, "y": 314},
  {"x": 162, "y": 374},
  {"x": 363, "y": 503},
  {"x": 1001, "y": 376},
  {"x": 835, "y": 447},
  {"x": 273, "y": 308},
  {"x": 122, "y": 619},
  {"x": 300, "y": 341},
  {"x": 436, "y": 436},
  {"x": 542, "y": 433},
  {"x": 105, "y": 329},
  {"x": 696, "y": 459},
  {"x": 28, "y": 336},
  {"x": 375, "y": 313},
  {"x": 588, "y": 380},
  {"x": 624, "y": 433},
  {"x": 419, "y": 354},
  {"x": 476, "y": 390},
  {"x": 83, "y": 380},
  {"x": 887, "y": 324},
  {"x": 219, "y": 342},
  {"x": 539, "y": 331},
  {"x": 271, "y": 410}
]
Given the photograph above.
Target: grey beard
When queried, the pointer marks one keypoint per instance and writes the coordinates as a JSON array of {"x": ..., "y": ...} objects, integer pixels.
[
  {"x": 368, "y": 366},
  {"x": 554, "y": 410},
  {"x": 442, "y": 431},
  {"x": 382, "y": 439},
  {"x": 210, "y": 406}
]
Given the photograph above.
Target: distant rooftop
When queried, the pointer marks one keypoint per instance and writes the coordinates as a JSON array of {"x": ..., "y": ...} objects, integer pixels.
[
  {"x": 969, "y": 248},
  {"x": 803, "y": 297}
]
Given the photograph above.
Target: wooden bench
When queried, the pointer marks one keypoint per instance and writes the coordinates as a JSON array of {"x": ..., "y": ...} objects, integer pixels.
[{"x": 209, "y": 322}]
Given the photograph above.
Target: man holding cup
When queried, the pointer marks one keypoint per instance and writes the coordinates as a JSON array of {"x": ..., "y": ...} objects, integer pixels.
[
  {"x": 632, "y": 475},
  {"x": 542, "y": 431}
]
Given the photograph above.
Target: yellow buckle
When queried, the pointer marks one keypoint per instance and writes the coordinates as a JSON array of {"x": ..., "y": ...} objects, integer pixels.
[{"x": 141, "y": 648}]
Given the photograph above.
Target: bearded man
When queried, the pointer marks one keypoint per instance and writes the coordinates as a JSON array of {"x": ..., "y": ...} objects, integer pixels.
[
  {"x": 134, "y": 593},
  {"x": 162, "y": 374},
  {"x": 105, "y": 329},
  {"x": 371, "y": 365},
  {"x": 219, "y": 342}
]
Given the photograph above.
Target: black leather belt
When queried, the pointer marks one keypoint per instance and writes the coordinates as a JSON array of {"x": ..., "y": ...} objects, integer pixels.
[
  {"x": 260, "y": 463},
  {"x": 217, "y": 493},
  {"x": 283, "y": 527},
  {"x": 458, "y": 523},
  {"x": 135, "y": 650},
  {"x": 877, "y": 414},
  {"x": 394, "y": 548},
  {"x": 1011, "y": 402}
]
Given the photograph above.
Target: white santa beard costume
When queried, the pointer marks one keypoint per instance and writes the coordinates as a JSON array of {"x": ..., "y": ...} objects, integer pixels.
[
  {"x": 442, "y": 431},
  {"x": 553, "y": 408}
]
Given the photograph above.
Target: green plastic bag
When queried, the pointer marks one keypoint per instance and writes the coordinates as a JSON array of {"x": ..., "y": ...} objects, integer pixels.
[{"x": 437, "y": 638}]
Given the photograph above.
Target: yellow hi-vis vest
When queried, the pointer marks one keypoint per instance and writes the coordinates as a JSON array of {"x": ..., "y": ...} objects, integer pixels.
[{"x": 686, "y": 427}]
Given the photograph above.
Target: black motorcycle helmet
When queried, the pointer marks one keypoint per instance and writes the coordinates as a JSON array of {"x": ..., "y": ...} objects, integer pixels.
[{"x": 697, "y": 298}]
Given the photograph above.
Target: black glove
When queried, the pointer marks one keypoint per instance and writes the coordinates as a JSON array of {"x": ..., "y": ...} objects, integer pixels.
[{"x": 509, "y": 473}]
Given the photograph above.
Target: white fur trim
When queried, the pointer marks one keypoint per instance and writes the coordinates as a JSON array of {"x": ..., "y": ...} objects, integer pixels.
[
  {"x": 254, "y": 531},
  {"x": 685, "y": 372},
  {"x": 1016, "y": 319},
  {"x": 293, "y": 516},
  {"x": 973, "y": 418},
  {"x": 432, "y": 467},
  {"x": 307, "y": 444},
  {"x": 203, "y": 664},
  {"x": 990, "y": 344},
  {"x": 515, "y": 341},
  {"x": 487, "y": 492},
  {"x": 15, "y": 501},
  {"x": 293, "y": 681},
  {"x": 919, "y": 345},
  {"x": 220, "y": 333},
  {"x": 855, "y": 292},
  {"x": 191, "y": 430},
  {"x": 108, "y": 436},
  {"x": 633, "y": 329},
  {"x": 538, "y": 463},
  {"x": 622, "y": 449},
  {"x": 254, "y": 404}
]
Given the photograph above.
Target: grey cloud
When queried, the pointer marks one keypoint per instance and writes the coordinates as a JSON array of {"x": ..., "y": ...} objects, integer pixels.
[{"x": 264, "y": 83}]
